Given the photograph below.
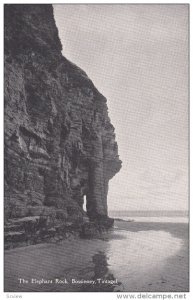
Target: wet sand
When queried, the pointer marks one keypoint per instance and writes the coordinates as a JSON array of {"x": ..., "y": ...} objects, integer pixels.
[{"x": 133, "y": 257}]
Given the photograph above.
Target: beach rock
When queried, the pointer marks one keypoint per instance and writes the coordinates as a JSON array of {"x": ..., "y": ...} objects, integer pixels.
[
  {"x": 14, "y": 236},
  {"x": 59, "y": 141},
  {"x": 89, "y": 230}
]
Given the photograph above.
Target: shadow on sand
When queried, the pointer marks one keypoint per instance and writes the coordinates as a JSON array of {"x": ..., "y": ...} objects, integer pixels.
[{"x": 101, "y": 271}]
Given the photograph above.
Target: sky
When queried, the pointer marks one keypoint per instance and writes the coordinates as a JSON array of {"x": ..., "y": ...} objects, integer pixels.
[{"x": 137, "y": 57}]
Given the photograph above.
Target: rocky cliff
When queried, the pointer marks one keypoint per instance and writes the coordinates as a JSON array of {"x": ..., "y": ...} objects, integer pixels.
[{"x": 59, "y": 142}]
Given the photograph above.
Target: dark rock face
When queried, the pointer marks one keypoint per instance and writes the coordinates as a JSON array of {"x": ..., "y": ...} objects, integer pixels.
[{"x": 59, "y": 142}]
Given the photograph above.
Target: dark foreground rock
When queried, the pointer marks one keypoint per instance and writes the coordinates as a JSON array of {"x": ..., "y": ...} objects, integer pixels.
[
  {"x": 96, "y": 227},
  {"x": 59, "y": 142}
]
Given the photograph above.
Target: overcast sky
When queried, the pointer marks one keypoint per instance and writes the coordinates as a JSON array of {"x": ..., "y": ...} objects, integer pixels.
[{"x": 137, "y": 57}]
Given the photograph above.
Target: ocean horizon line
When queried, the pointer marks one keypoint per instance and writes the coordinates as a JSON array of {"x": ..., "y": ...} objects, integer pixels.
[{"x": 150, "y": 213}]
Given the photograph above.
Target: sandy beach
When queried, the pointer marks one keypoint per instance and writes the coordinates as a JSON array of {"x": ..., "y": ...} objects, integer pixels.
[{"x": 132, "y": 257}]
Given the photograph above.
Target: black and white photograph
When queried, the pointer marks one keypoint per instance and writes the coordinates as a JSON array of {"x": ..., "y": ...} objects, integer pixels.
[{"x": 96, "y": 148}]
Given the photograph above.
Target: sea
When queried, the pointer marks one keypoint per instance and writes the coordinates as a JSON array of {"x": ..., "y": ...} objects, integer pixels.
[{"x": 163, "y": 216}]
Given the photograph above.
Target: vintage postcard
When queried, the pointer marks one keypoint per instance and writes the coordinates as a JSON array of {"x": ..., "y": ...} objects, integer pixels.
[{"x": 96, "y": 136}]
